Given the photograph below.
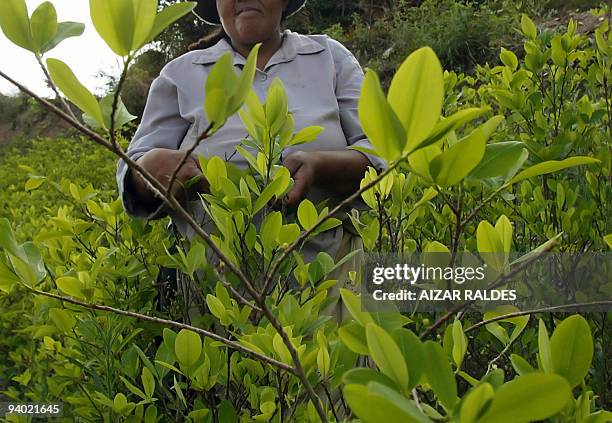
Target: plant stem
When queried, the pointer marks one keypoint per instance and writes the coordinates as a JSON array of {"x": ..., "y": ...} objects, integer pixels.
[
  {"x": 538, "y": 310},
  {"x": 165, "y": 322},
  {"x": 116, "y": 97},
  {"x": 54, "y": 87}
]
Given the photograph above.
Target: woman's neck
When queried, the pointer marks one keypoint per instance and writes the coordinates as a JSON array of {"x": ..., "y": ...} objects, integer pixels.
[{"x": 266, "y": 51}]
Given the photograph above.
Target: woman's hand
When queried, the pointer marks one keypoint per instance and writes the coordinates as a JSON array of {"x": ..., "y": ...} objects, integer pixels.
[
  {"x": 303, "y": 169},
  {"x": 339, "y": 172},
  {"x": 161, "y": 163}
]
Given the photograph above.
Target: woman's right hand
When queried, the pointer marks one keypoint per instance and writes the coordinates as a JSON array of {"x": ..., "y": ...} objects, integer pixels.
[{"x": 161, "y": 163}]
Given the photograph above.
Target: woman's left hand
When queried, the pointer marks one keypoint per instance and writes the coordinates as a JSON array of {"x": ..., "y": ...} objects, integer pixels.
[{"x": 303, "y": 169}]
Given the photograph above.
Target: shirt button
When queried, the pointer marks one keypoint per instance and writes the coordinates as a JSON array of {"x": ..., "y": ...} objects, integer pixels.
[{"x": 264, "y": 77}]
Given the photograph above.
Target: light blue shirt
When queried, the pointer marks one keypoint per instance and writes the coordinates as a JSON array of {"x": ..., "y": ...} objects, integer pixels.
[{"x": 323, "y": 82}]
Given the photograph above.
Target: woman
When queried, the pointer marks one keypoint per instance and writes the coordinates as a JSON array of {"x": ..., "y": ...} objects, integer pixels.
[{"x": 322, "y": 80}]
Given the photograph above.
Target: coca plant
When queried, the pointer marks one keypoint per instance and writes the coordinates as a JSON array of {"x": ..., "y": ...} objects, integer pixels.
[{"x": 264, "y": 349}]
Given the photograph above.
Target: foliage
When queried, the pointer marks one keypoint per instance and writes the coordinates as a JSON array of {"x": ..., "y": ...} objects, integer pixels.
[{"x": 83, "y": 323}]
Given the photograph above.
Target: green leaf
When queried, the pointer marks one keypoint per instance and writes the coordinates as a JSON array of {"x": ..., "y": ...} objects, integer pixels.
[
  {"x": 308, "y": 134},
  {"x": 8, "y": 241},
  {"x": 501, "y": 159},
  {"x": 528, "y": 398},
  {"x": 354, "y": 337},
  {"x": 528, "y": 27},
  {"x": 475, "y": 401},
  {"x": 413, "y": 352},
  {"x": 454, "y": 164},
  {"x": 275, "y": 189},
  {"x": 608, "y": 240},
  {"x": 270, "y": 229},
  {"x": 114, "y": 21},
  {"x": 451, "y": 123},
  {"x": 64, "y": 30},
  {"x": 459, "y": 343},
  {"x": 363, "y": 376},
  {"x": 509, "y": 59},
  {"x": 216, "y": 307},
  {"x": 416, "y": 95},
  {"x": 187, "y": 347},
  {"x": 216, "y": 105},
  {"x": 62, "y": 319},
  {"x": 168, "y": 16},
  {"x": 571, "y": 347},
  {"x": 490, "y": 245},
  {"x": 379, "y": 121},
  {"x": 440, "y": 375},
  {"x": 71, "y": 286},
  {"x": 520, "y": 365},
  {"x": 43, "y": 24},
  {"x": 376, "y": 403},
  {"x": 8, "y": 279},
  {"x": 387, "y": 355},
  {"x": 503, "y": 227},
  {"x": 68, "y": 83},
  {"x": 353, "y": 304},
  {"x": 216, "y": 172},
  {"x": 552, "y": 166},
  {"x": 148, "y": 382},
  {"x": 281, "y": 349},
  {"x": 245, "y": 81},
  {"x": 145, "y": 12},
  {"x": 34, "y": 183},
  {"x": 15, "y": 23},
  {"x": 122, "y": 115},
  {"x": 307, "y": 214},
  {"x": 276, "y": 106},
  {"x": 544, "y": 348}
]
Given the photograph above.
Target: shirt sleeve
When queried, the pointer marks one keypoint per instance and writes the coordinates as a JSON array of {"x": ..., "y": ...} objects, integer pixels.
[
  {"x": 349, "y": 79},
  {"x": 162, "y": 126}
]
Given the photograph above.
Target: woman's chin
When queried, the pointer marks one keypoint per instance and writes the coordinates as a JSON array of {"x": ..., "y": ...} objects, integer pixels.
[{"x": 251, "y": 34}]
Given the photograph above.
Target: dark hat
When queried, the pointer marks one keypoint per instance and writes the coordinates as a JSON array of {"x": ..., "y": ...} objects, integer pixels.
[{"x": 207, "y": 10}]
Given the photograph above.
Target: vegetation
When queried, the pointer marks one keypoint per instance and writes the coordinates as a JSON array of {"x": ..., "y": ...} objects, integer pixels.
[{"x": 520, "y": 162}]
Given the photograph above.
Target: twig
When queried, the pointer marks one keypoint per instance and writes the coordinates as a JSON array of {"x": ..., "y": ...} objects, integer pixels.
[
  {"x": 116, "y": 101},
  {"x": 538, "y": 310},
  {"x": 186, "y": 156},
  {"x": 165, "y": 322},
  {"x": 54, "y": 87}
]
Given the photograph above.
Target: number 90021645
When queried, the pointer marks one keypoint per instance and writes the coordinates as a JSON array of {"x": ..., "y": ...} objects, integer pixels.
[{"x": 33, "y": 409}]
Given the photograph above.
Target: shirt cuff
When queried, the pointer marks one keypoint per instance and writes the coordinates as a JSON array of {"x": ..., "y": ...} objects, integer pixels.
[{"x": 130, "y": 201}]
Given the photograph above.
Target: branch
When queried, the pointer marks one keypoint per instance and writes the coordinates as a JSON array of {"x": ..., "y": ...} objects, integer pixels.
[
  {"x": 165, "y": 322},
  {"x": 116, "y": 101},
  {"x": 54, "y": 87},
  {"x": 186, "y": 156},
  {"x": 538, "y": 310}
]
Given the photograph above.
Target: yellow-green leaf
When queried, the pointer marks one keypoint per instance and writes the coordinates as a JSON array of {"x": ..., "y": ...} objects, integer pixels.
[
  {"x": 386, "y": 354},
  {"x": 533, "y": 397},
  {"x": 76, "y": 92},
  {"x": 15, "y": 23},
  {"x": 114, "y": 21},
  {"x": 416, "y": 95},
  {"x": 187, "y": 347},
  {"x": 43, "y": 24},
  {"x": 552, "y": 166},
  {"x": 380, "y": 123}
]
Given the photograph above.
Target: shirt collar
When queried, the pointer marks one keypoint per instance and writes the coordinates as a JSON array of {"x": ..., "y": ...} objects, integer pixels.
[{"x": 293, "y": 45}]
